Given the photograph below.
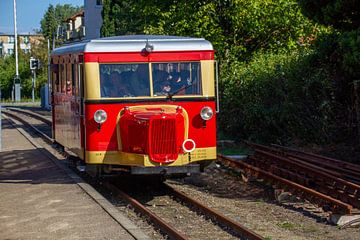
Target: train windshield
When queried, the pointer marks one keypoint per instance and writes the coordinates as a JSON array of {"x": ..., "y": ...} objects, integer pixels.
[
  {"x": 176, "y": 78},
  {"x": 124, "y": 80},
  {"x": 133, "y": 80}
]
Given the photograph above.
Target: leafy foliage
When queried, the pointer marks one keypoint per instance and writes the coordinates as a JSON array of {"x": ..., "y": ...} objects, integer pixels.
[
  {"x": 7, "y": 73},
  {"x": 55, "y": 17},
  {"x": 342, "y": 14},
  {"x": 239, "y": 27},
  {"x": 277, "y": 98},
  {"x": 341, "y": 51}
]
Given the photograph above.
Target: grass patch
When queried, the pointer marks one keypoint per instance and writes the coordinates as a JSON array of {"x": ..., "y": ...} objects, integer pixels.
[{"x": 286, "y": 225}]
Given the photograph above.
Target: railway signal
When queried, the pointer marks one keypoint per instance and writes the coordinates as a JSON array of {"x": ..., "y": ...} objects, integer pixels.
[{"x": 34, "y": 64}]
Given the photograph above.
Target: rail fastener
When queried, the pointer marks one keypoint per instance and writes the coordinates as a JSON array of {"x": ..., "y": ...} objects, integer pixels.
[{"x": 337, "y": 206}]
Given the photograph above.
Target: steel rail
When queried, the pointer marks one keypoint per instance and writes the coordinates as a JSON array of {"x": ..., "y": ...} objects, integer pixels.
[
  {"x": 39, "y": 132},
  {"x": 331, "y": 188},
  {"x": 32, "y": 114},
  {"x": 215, "y": 215},
  {"x": 348, "y": 170},
  {"x": 325, "y": 182},
  {"x": 344, "y": 172},
  {"x": 297, "y": 189},
  {"x": 161, "y": 224},
  {"x": 350, "y": 166},
  {"x": 337, "y": 170}
]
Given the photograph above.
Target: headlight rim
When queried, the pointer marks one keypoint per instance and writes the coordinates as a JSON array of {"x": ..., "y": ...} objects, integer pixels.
[
  {"x": 103, "y": 116},
  {"x": 202, "y": 113}
]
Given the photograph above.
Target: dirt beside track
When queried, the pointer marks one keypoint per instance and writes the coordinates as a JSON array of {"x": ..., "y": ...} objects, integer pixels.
[{"x": 253, "y": 204}]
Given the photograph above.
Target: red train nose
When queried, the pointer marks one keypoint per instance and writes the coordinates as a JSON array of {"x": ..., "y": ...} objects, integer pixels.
[{"x": 153, "y": 132}]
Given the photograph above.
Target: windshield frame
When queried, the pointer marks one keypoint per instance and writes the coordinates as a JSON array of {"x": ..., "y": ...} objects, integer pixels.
[{"x": 151, "y": 81}]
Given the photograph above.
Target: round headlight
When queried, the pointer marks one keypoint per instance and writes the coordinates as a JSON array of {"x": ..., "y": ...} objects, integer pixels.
[
  {"x": 100, "y": 116},
  {"x": 206, "y": 113}
]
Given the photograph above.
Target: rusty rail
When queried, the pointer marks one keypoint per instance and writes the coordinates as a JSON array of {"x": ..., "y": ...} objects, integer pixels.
[
  {"x": 348, "y": 170},
  {"x": 216, "y": 216},
  {"x": 297, "y": 189},
  {"x": 160, "y": 224},
  {"x": 317, "y": 178},
  {"x": 39, "y": 132},
  {"x": 339, "y": 168},
  {"x": 32, "y": 114},
  {"x": 350, "y": 166}
]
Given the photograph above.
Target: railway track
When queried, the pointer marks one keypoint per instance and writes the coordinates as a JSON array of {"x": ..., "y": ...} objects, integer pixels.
[
  {"x": 327, "y": 187},
  {"x": 227, "y": 224},
  {"x": 230, "y": 226}
]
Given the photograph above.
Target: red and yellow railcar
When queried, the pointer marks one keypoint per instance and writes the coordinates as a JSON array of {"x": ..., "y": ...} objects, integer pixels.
[{"x": 140, "y": 104}]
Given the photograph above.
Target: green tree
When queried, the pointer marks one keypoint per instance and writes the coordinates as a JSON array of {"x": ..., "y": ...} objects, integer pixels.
[
  {"x": 239, "y": 27},
  {"x": 342, "y": 14},
  {"x": 341, "y": 48},
  {"x": 54, "y": 19}
]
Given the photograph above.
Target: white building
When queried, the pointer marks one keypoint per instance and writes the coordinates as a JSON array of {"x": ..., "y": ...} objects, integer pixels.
[
  {"x": 7, "y": 42},
  {"x": 75, "y": 29},
  {"x": 93, "y": 18}
]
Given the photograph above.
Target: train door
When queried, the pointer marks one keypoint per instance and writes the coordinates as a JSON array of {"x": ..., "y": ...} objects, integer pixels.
[
  {"x": 54, "y": 74},
  {"x": 80, "y": 110}
]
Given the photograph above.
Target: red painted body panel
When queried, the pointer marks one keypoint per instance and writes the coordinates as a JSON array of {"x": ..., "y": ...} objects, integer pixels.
[
  {"x": 203, "y": 133},
  {"x": 153, "y": 132},
  {"x": 153, "y": 57}
]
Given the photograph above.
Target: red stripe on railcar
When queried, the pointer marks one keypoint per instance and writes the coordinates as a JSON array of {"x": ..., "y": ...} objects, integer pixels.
[{"x": 154, "y": 56}]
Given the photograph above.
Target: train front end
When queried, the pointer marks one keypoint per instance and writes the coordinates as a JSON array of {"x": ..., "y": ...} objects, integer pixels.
[{"x": 150, "y": 105}]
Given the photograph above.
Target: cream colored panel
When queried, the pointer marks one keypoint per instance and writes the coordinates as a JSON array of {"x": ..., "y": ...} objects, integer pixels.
[
  {"x": 92, "y": 81},
  {"x": 132, "y": 159},
  {"x": 208, "y": 78}
]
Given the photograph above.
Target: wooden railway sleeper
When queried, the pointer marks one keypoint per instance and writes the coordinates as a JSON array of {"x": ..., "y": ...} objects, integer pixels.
[
  {"x": 311, "y": 171},
  {"x": 336, "y": 205},
  {"x": 336, "y": 190}
]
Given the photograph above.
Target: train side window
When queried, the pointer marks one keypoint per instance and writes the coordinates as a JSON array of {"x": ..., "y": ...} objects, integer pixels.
[
  {"x": 61, "y": 70},
  {"x": 55, "y": 77},
  {"x": 73, "y": 79},
  {"x": 69, "y": 79},
  {"x": 63, "y": 78}
]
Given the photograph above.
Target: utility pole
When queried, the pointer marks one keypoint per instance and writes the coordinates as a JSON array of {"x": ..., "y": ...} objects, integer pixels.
[
  {"x": 33, "y": 85},
  {"x": 0, "y": 120},
  {"x": 17, "y": 88},
  {"x": 49, "y": 79}
]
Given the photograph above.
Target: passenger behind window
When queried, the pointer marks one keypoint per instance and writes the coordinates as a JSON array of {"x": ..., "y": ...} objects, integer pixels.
[
  {"x": 115, "y": 87},
  {"x": 159, "y": 76}
]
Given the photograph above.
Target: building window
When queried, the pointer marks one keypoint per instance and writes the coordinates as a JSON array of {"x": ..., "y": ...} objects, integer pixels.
[
  {"x": 99, "y": 2},
  {"x": 26, "y": 39},
  {"x": 10, "y": 51},
  {"x": 11, "y": 39}
]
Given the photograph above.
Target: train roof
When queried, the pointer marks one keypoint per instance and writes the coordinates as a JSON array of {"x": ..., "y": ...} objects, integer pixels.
[{"x": 136, "y": 43}]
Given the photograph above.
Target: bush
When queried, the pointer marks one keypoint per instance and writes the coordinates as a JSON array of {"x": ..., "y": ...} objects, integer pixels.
[{"x": 276, "y": 97}]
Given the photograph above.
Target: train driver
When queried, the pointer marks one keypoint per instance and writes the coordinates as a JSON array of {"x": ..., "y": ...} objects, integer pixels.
[{"x": 165, "y": 89}]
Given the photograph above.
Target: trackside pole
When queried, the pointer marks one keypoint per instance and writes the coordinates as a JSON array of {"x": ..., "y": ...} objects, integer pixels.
[{"x": 0, "y": 123}]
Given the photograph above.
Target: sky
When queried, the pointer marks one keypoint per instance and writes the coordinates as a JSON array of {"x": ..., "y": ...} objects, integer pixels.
[{"x": 29, "y": 13}]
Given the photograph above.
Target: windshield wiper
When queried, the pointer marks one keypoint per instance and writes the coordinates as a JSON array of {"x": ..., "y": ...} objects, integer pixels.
[{"x": 170, "y": 95}]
